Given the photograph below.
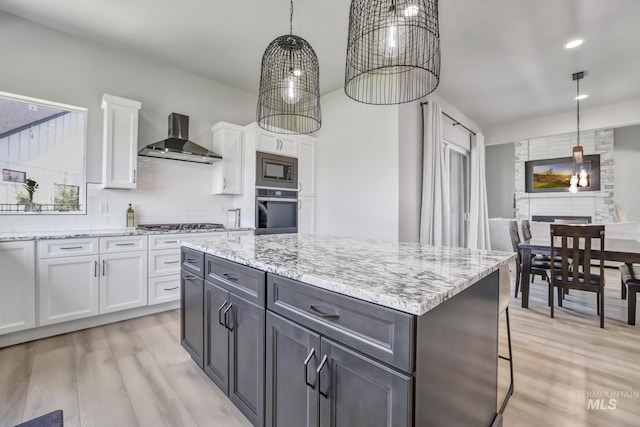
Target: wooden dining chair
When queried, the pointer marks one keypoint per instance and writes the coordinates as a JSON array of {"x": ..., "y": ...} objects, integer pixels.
[
  {"x": 539, "y": 268},
  {"x": 631, "y": 278},
  {"x": 575, "y": 245},
  {"x": 526, "y": 229}
]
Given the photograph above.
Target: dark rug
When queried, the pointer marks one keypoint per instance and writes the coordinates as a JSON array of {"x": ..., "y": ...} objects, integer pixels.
[{"x": 52, "y": 419}]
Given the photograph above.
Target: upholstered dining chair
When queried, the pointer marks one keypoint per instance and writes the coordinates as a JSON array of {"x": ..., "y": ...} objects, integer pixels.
[
  {"x": 538, "y": 267},
  {"x": 573, "y": 243},
  {"x": 631, "y": 279}
]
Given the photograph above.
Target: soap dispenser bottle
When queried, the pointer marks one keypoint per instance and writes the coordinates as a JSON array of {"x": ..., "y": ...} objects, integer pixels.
[{"x": 130, "y": 214}]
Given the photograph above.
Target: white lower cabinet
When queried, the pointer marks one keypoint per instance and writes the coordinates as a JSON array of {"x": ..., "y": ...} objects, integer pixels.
[
  {"x": 306, "y": 216},
  {"x": 73, "y": 286},
  {"x": 17, "y": 286},
  {"x": 123, "y": 281},
  {"x": 164, "y": 289}
]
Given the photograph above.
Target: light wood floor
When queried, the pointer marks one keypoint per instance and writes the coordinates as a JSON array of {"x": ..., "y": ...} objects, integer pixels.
[{"x": 136, "y": 373}]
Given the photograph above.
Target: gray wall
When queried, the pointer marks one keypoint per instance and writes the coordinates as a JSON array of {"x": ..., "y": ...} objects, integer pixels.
[
  {"x": 410, "y": 161},
  {"x": 626, "y": 160},
  {"x": 500, "y": 164}
]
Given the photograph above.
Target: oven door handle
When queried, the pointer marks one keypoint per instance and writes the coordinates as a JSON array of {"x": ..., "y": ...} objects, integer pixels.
[{"x": 277, "y": 199}]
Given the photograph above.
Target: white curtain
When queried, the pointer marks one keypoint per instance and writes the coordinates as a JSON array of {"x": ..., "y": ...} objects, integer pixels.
[
  {"x": 478, "y": 212},
  {"x": 434, "y": 216}
]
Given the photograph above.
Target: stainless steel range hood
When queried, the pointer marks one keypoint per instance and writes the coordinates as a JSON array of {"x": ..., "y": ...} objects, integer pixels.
[{"x": 177, "y": 146}]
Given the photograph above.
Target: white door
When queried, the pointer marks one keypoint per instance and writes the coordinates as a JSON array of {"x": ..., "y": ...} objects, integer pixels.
[
  {"x": 306, "y": 167},
  {"x": 68, "y": 289},
  {"x": 306, "y": 214},
  {"x": 123, "y": 281},
  {"x": 17, "y": 286}
]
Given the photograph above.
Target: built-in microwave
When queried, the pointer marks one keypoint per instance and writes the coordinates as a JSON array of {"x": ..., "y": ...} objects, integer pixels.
[{"x": 277, "y": 171}]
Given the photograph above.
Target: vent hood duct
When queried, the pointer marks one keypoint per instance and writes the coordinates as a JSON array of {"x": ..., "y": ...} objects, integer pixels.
[{"x": 177, "y": 146}]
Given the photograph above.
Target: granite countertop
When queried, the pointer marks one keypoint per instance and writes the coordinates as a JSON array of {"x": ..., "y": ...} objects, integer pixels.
[
  {"x": 409, "y": 277},
  {"x": 70, "y": 234}
]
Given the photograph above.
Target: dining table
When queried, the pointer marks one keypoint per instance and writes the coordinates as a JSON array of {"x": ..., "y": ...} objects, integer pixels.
[{"x": 620, "y": 250}]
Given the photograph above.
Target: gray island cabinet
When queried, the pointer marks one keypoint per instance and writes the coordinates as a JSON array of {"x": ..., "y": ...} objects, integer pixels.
[{"x": 303, "y": 330}]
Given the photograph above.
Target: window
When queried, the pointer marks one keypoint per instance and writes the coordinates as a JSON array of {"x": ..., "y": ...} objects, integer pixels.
[{"x": 457, "y": 160}]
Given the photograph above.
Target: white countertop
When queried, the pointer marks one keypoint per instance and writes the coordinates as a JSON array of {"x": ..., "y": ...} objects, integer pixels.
[
  {"x": 409, "y": 277},
  {"x": 71, "y": 234}
]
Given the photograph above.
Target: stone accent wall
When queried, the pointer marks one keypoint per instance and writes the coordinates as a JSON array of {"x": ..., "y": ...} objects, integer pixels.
[{"x": 596, "y": 204}]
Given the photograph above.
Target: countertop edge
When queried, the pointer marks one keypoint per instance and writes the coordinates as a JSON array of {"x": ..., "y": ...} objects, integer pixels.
[{"x": 83, "y": 234}]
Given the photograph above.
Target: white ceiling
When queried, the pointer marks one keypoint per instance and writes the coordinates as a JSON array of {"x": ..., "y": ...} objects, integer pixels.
[{"x": 502, "y": 60}]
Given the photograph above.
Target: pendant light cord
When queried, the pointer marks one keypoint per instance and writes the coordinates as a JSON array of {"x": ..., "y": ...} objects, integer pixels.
[
  {"x": 578, "y": 107},
  {"x": 291, "y": 18}
]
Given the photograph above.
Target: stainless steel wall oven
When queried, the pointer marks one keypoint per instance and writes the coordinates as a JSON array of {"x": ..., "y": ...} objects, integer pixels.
[{"x": 276, "y": 211}]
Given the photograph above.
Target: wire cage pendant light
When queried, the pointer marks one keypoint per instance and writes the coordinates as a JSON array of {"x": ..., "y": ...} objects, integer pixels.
[
  {"x": 393, "y": 51},
  {"x": 289, "y": 93},
  {"x": 580, "y": 175}
]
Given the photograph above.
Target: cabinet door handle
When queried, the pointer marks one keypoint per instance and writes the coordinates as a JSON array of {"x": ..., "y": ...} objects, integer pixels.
[
  {"x": 230, "y": 276},
  {"x": 125, "y": 244},
  {"x": 220, "y": 314},
  {"x": 306, "y": 369},
  {"x": 299, "y": 186},
  {"x": 134, "y": 176},
  {"x": 71, "y": 247},
  {"x": 318, "y": 373},
  {"x": 191, "y": 260},
  {"x": 226, "y": 317},
  {"x": 171, "y": 289},
  {"x": 171, "y": 241},
  {"x": 224, "y": 183},
  {"x": 104, "y": 267},
  {"x": 299, "y": 204},
  {"x": 324, "y": 314},
  {"x": 95, "y": 268},
  {"x": 171, "y": 262},
  {"x": 190, "y": 278}
]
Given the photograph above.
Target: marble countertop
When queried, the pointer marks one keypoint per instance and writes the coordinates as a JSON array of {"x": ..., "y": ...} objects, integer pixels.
[
  {"x": 70, "y": 234},
  {"x": 409, "y": 277}
]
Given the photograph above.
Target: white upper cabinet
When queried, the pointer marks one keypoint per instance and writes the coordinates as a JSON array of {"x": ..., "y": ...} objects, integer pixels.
[
  {"x": 275, "y": 143},
  {"x": 17, "y": 286},
  {"x": 306, "y": 166},
  {"x": 227, "y": 174},
  {"x": 120, "y": 142}
]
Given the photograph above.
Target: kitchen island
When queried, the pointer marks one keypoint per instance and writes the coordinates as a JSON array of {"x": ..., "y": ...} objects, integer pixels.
[{"x": 327, "y": 331}]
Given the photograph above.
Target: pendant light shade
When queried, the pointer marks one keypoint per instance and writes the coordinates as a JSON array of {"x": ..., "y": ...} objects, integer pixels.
[
  {"x": 289, "y": 93},
  {"x": 580, "y": 175},
  {"x": 393, "y": 51}
]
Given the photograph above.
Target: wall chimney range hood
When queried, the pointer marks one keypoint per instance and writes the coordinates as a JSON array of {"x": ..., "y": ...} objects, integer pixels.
[{"x": 177, "y": 146}]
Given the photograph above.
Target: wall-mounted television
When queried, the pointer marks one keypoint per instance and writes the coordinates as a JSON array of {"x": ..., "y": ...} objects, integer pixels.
[{"x": 554, "y": 175}]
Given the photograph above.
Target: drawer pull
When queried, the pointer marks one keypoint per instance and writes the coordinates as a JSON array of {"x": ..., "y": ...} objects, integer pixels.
[
  {"x": 171, "y": 289},
  {"x": 220, "y": 313},
  {"x": 191, "y": 260},
  {"x": 306, "y": 369},
  {"x": 226, "y": 317},
  {"x": 190, "y": 278},
  {"x": 171, "y": 262},
  {"x": 125, "y": 244},
  {"x": 325, "y": 315},
  {"x": 319, "y": 372},
  {"x": 230, "y": 276},
  {"x": 71, "y": 247},
  {"x": 171, "y": 241}
]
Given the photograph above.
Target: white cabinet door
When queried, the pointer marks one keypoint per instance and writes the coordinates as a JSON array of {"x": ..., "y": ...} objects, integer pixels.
[
  {"x": 68, "y": 289},
  {"x": 306, "y": 167},
  {"x": 227, "y": 173},
  {"x": 17, "y": 286},
  {"x": 276, "y": 143},
  {"x": 120, "y": 142},
  {"x": 123, "y": 281},
  {"x": 306, "y": 214}
]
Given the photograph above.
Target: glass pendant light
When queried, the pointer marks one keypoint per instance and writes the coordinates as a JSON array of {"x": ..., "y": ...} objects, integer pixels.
[
  {"x": 578, "y": 153},
  {"x": 393, "y": 51},
  {"x": 289, "y": 93}
]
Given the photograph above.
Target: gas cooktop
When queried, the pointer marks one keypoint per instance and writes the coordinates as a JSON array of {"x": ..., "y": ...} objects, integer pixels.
[{"x": 181, "y": 227}]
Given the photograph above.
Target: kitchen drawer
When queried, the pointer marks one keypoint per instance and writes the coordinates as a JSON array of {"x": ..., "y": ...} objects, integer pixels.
[
  {"x": 67, "y": 247},
  {"x": 244, "y": 281},
  {"x": 164, "y": 289},
  {"x": 164, "y": 262},
  {"x": 377, "y": 331},
  {"x": 172, "y": 241},
  {"x": 192, "y": 261},
  {"x": 122, "y": 244}
]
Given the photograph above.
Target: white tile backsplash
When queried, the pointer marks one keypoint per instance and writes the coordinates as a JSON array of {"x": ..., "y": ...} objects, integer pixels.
[{"x": 168, "y": 191}]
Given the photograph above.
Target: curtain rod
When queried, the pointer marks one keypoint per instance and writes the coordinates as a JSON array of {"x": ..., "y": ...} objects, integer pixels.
[{"x": 455, "y": 122}]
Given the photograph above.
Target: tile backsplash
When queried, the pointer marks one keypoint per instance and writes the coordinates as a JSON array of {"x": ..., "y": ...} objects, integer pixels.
[{"x": 167, "y": 191}]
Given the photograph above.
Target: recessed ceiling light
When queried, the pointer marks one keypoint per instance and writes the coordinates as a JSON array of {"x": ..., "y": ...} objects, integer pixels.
[
  {"x": 581, "y": 97},
  {"x": 573, "y": 43}
]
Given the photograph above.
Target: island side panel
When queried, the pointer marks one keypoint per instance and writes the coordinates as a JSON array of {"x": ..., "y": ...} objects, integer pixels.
[{"x": 457, "y": 359}]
